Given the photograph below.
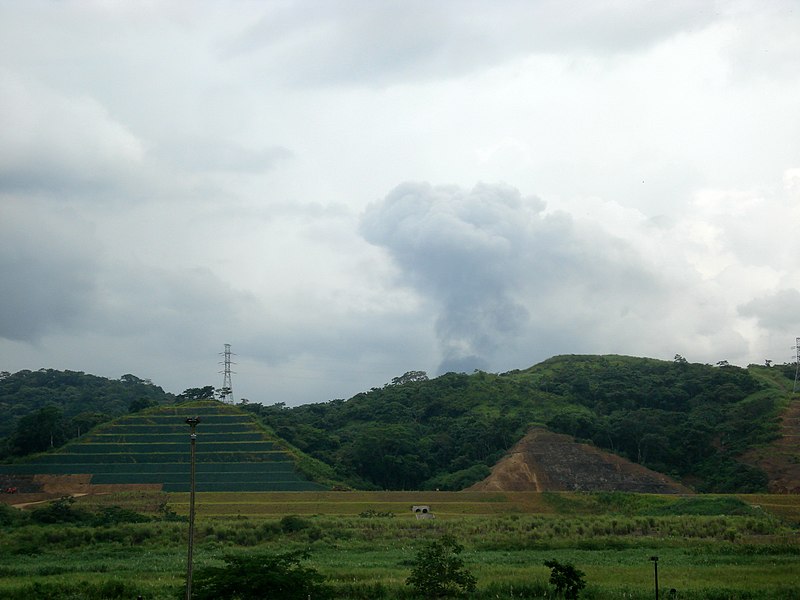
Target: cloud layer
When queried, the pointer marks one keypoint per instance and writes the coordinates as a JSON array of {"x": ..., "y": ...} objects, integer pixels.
[{"x": 350, "y": 190}]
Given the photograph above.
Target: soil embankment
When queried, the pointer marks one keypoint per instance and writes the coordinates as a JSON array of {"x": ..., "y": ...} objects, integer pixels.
[
  {"x": 544, "y": 461},
  {"x": 780, "y": 459}
]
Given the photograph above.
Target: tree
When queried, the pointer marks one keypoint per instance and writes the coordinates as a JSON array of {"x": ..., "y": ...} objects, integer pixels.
[
  {"x": 83, "y": 422},
  {"x": 39, "y": 431},
  {"x": 439, "y": 571},
  {"x": 258, "y": 576},
  {"x": 409, "y": 377},
  {"x": 200, "y": 393},
  {"x": 141, "y": 404},
  {"x": 567, "y": 580}
]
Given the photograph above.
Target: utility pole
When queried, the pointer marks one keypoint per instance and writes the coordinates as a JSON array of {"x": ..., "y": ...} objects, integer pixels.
[
  {"x": 655, "y": 572},
  {"x": 797, "y": 366},
  {"x": 192, "y": 422}
]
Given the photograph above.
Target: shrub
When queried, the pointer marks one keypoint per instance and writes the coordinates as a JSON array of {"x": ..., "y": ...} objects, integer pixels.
[
  {"x": 293, "y": 523},
  {"x": 9, "y": 515},
  {"x": 114, "y": 515},
  {"x": 258, "y": 576},
  {"x": 59, "y": 511},
  {"x": 439, "y": 571},
  {"x": 565, "y": 578}
]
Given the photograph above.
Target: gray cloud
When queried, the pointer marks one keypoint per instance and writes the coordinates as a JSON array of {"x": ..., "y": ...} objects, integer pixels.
[
  {"x": 49, "y": 271},
  {"x": 358, "y": 40},
  {"x": 776, "y": 312},
  {"x": 60, "y": 143},
  {"x": 502, "y": 270},
  {"x": 208, "y": 154}
]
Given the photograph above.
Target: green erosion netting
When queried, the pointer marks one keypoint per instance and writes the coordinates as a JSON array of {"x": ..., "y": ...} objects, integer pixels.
[{"x": 233, "y": 453}]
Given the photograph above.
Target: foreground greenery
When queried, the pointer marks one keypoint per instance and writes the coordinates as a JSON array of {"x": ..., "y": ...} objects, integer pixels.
[{"x": 708, "y": 547}]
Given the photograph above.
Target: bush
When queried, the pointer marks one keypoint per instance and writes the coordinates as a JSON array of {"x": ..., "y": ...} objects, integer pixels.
[
  {"x": 114, "y": 515},
  {"x": 9, "y": 515},
  {"x": 566, "y": 578},
  {"x": 293, "y": 523},
  {"x": 60, "y": 511},
  {"x": 258, "y": 576},
  {"x": 439, "y": 571}
]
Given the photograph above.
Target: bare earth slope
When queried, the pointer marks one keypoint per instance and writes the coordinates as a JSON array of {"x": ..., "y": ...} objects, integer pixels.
[
  {"x": 545, "y": 461},
  {"x": 780, "y": 460}
]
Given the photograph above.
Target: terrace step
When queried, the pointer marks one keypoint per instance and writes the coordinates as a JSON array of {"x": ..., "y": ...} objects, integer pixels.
[{"x": 233, "y": 453}]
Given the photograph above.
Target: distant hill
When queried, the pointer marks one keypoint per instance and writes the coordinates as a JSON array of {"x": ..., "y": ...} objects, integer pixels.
[
  {"x": 715, "y": 428},
  {"x": 151, "y": 449},
  {"x": 45, "y": 408},
  {"x": 73, "y": 392},
  {"x": 692, "y": 422}
]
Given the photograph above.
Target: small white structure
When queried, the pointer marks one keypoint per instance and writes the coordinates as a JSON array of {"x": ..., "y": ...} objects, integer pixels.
[{"x": 422, "y": 511}]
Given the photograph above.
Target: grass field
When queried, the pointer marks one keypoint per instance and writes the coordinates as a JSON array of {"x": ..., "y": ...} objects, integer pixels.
[{"x": 716, "y": 547}]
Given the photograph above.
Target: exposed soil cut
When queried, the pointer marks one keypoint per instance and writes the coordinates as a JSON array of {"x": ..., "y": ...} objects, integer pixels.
[
  {"x": 545, "y": 461},
  {"x": 33, "y": 489},
  {"x": 780, "y": 460}
]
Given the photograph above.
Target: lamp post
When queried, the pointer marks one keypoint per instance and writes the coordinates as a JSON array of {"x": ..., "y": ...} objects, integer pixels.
[
  {"x": 192, "y": 422},
  {"x": 655, "y": 572}
]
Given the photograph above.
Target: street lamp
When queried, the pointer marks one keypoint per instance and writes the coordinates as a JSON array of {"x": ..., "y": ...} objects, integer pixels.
[
  {"x": 655, "y": 572},
  {"x": 192, "y": 422}
]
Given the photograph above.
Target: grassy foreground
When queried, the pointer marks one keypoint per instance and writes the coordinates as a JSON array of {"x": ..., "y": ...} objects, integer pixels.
[{"x": 717, "y": 547}]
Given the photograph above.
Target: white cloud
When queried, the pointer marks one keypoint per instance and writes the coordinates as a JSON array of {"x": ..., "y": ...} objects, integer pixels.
[
  {"x": 178, "y": 176},
  {"x": 57, "y": 143}
]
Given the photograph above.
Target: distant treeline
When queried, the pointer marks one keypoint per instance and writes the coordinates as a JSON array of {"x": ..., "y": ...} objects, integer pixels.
[
  {"x": 690, "y": 421},
  {"x": 44, "y": 409},
  {"x": 687, "y": 420}
]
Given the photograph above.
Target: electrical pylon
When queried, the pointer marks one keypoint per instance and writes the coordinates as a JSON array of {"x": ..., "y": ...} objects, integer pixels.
[{"x": 226, "y": 391}]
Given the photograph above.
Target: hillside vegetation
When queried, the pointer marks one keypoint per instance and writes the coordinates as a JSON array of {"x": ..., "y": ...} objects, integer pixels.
[
  {"x": 45, "y": 408},
  {"x": 234, "y": 453},
  {"x": 693, "y": 422},
  {"x": 690, "y": 421}
]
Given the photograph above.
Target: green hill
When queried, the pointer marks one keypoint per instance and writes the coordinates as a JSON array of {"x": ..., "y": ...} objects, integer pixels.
[
  {"x": 690, "y": 421},
  {"x": 234, "y": 453},
  {"x": 54, "y": 406},
  {"x": 697, "y": 423}
]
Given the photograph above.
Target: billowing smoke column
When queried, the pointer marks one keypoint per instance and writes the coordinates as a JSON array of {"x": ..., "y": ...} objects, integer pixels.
[{"x": 466, "y": 250}]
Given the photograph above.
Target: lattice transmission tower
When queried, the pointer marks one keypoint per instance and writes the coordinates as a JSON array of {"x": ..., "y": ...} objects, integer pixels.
[{"x": 226, "y": 391}]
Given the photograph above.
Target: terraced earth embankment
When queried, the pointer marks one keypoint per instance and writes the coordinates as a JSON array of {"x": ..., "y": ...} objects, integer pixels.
[{"x": 152, "y": 450}]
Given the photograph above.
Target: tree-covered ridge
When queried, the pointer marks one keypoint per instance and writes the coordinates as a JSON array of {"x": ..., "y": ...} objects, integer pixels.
[
  {"x": 687, "y": 420},
  {"x": 45, "y": 408}
]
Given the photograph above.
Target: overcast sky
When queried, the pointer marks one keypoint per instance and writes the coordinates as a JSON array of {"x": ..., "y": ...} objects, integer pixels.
[{"x": 348, "y": 190}]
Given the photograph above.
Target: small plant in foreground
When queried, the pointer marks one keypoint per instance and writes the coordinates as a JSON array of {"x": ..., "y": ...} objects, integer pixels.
[
  {"x": 566, "y": 578},
  {"x": 439, "y": 571}
]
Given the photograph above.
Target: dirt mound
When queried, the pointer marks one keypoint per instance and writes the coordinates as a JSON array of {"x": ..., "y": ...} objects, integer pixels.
[
  {"x": 780, "y": 460},
  {"x": 545, "y": 461},
  {"x": 33, "y": 489}
]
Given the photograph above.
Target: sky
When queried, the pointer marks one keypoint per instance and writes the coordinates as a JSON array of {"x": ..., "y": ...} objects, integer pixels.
[{"x": 347, "y": 190}]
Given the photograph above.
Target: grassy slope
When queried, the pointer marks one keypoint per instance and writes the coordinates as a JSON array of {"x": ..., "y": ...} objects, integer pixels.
[
  {"x": 234, "y": 453},
  {"x": 708, "y": 546}
]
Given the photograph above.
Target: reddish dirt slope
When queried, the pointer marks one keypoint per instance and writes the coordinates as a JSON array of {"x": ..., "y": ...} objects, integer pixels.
[
  {"x": 780, "y": 460},
  {"x": 545, "y": 461},
  {"x": 38, "y": 488}
]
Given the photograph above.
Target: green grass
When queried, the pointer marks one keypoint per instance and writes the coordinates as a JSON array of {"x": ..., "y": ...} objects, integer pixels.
[{"x": 709, "y": 547}]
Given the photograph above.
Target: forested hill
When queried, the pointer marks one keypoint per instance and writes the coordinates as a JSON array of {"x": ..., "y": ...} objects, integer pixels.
[
  {"x": 690, "y": 421},
  {"x": 44, "y": 408}
]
